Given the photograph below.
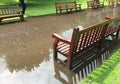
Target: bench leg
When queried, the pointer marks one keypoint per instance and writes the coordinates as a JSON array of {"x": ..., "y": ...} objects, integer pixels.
[
  {"x": 76, "y": 9},
  {"x": 67, "y": 10},
  {"x": 101, "y": 43},
  {"x": 69, "y": 62},
  {"x": 0, "y": 21},
  {"x": 116, "y": 36},
  {"x": 56, "y": 12},
  {"x": 22, "y": 18},
  {"x": 55, "y": 50},
  {"x": 60, "y": 11},
  {"x": 79, "y": 8},
  {"x": 71, "y": 10},
  {"x": 55, "y": 54}
]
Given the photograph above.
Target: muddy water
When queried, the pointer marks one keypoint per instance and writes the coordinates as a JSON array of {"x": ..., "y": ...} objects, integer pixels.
[{"x": 26, "y": 55}]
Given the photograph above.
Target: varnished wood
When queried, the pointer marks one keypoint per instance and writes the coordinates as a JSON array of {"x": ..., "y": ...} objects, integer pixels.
[
  {"x": 67, "y": 6},
  {"x": 94, "y": 4},
  {"x": 84, "y": 44},
  {"x": 10, "y": 12}
]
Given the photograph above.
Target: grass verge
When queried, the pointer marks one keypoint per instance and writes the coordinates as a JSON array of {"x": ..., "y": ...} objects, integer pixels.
[{"x": 108, "y": 73}]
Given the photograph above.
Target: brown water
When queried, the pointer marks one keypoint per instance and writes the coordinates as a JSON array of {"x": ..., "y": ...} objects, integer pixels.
[{"x": 26, "y": 55}]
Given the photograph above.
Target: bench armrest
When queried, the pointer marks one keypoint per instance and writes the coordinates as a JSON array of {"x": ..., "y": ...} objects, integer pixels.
[
  {"x": 19, "y": 11},
  {"x": 108, "y": 18},
  {"x": 60, "y": 38}
]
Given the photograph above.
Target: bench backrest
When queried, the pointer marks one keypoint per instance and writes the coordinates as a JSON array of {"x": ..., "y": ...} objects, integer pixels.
[
  {"x": 113, "y": 27},
  {"x": 65, "y": 5},
  {"x": 59, "y": 5},
  {"x": 6, "y": 10},
  {"x": 90, "y": 3},
  {"x": 71, "y": 4},
  {"x": 87, "y": 37}
]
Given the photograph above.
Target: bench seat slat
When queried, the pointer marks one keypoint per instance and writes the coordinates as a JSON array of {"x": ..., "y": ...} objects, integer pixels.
[
  {"x": 64, "y": 52},
  {"x": 63, "y": 48},
  {"x": 10, "y": 15}
]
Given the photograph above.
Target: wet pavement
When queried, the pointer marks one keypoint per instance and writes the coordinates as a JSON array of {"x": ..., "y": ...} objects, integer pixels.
[{"x": 26, "y": 55}]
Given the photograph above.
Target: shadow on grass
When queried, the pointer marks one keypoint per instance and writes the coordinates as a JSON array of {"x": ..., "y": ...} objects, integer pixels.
[{"x": 101, "y": 74}]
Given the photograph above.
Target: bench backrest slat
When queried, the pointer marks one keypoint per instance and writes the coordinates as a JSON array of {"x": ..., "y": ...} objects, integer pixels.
[
  {"x": 6, "y": 10},
  {"x": 86, "y": 38},
  {"x": 60, "y": 5},
  {"x": 71, "y": 4}
]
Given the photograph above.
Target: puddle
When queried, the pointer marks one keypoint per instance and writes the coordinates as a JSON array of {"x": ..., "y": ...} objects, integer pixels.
[{"x": 26, "y": 55}]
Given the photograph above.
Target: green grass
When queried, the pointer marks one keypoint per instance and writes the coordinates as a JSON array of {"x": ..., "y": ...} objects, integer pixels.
[
  {"x": 108, "y": 73},
  {"x": 41, "y": 7},
  {"x": 47, "y": 7},
  {"x": 44, "y": 8}
]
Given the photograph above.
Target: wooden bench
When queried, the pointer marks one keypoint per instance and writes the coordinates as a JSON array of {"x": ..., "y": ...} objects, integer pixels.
[
  {"x": 84, "y": 43},
  {"x": 94, "y": 4},
  {"x": 113, "y": 2},
  {"x": 10, "y": 12},
  {"x": 67, "y": 6}
]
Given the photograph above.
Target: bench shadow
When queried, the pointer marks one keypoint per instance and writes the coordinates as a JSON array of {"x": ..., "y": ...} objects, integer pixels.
[
  {"x": 98, "y": 76},
  {"x": 76, "y": 76}
]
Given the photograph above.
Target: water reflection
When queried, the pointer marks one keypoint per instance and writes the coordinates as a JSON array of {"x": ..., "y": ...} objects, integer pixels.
[
  {"x": 33, "y": 71},
  {"x": 95, "y": 16},
  {"x": 68, "y": 33},
  {"x": 43, "y": 74},
  {"x": 48, "y": 72}
]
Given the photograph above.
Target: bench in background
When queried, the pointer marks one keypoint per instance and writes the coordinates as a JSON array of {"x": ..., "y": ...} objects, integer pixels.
[
  {"x": 10, "y": 11},
  {"x": 66, "y": 6},
  {"x": 94, "y": 4}
]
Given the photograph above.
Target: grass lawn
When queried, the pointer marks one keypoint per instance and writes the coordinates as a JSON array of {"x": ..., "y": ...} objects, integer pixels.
[
  {"x": 46, "y": 7},
  {"x": 42, "y": 7},
  {"x": 108, "y": 73}
]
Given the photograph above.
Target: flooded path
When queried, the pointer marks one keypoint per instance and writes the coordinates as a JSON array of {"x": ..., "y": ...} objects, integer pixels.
[{"x": 26, "y": 47}]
